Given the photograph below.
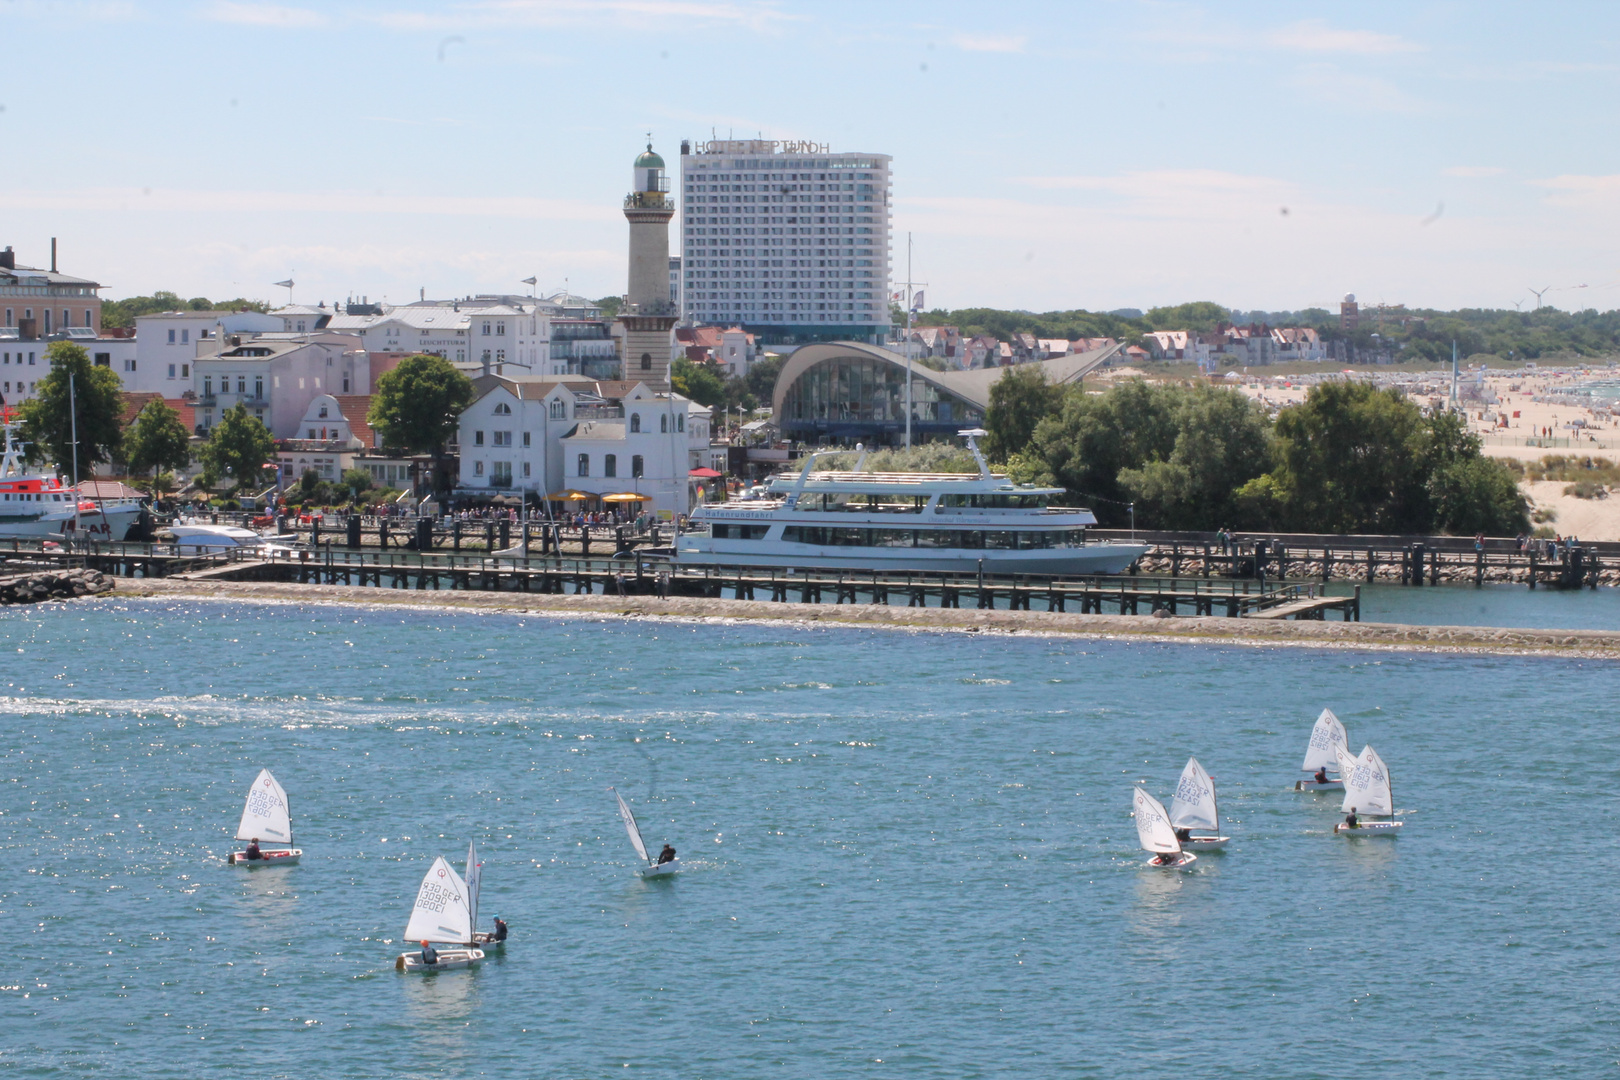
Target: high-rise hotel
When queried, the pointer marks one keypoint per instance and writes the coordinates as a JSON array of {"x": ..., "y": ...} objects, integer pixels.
[{"x": 785, "y": 239}]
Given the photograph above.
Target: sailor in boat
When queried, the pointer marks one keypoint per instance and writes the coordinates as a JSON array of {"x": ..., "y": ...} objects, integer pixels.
[
  {"x": 1183, "y": 835},
  {"x": 253, "y": 849},
  {"x": 1168, "y": 858},
  {"x": 1351, "y": 821},
  {"x": 430, "y": 955},
  {"x": 1321, "y": 775},
  {"x": 667, "y": 855},
  {"x": 500, "y": 930}
]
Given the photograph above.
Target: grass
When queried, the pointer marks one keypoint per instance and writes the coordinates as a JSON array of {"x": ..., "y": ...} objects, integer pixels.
[{"x": 1570, "y": 468}]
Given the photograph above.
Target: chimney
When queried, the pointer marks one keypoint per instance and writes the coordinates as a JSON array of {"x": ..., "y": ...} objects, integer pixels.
[
  {"x": 8, "y": 258},
  {"x": 486, "y": 363},
  {"x": 53, "y": 254}
]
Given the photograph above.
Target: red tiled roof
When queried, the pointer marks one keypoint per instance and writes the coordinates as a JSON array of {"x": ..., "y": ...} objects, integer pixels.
[
  {"x": 134, "y": 403},
  {"x": 354, "y": 408}
]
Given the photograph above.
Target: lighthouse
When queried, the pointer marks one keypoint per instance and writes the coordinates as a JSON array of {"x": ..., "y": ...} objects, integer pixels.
[{"x": 648, "y": 315}]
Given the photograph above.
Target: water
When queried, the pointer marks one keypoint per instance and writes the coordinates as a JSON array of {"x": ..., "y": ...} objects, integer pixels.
[
  {"x": 908, "y": 854},
  {"x": 1489, "y": 605}
]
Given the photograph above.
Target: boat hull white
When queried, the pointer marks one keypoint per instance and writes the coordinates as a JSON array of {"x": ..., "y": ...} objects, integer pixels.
[
  {"x": 671, "y": 867},
  {"x": 273, "y": 857},
  {"x": 1205, "y": 843},
  {"x": 1186, "y": 858},
  {"x": 114, "y": 524},
  {"x": 449, "y": 960},
  {"x": 1370, "y": 828},
  {"x": 1055, "y": 562},
  {"x": 487, "y": 941},
  {"x": 1312, "y": 785}
]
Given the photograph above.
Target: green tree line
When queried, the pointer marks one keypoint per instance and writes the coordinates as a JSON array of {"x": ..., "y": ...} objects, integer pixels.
[
  {"x": 1350, "y": 458},
  {"x": 123, "y": 313}
]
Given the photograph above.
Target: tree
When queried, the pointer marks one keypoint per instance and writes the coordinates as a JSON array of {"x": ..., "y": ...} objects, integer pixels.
[
  {"x": 48, "y": 422},
  {"x": 157, "y": 441},
  {"x": 609, "y": 306},
  {"x": 761, "y": 378},
  {"x": 358, "y": 481},
  {"x": 239, "y": 448},
  {"x": 700, "y": 382},
  {"x": 1019, "y": 400},
  {"x": 417, "y": 407},
  {"x": 1222, "y": 442}
]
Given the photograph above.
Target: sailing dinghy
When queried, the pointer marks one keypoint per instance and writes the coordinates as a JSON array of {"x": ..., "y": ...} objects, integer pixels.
[
  {"x": 1154, "y": 830},
  {"x": 652, "y": 869},
  {"x": 1367, "y": 793},
  {"x": 266, "y": 818},
  {"x": 1193, "y": 807},
  {"x": 1326, "y": 738},
  {"x": 475, "y": 880},
  {"x": 441, "y": 915}
]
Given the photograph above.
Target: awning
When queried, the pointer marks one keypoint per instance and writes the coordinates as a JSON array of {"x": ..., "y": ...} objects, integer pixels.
[
  {"x": 570, "y": 496},
  {"x": 625, "y": 496},
  {"x": 705, "y": 474}
]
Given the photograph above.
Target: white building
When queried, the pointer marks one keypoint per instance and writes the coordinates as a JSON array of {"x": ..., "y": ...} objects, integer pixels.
[
  {"x": 785, "y": 239},
  {"x": 501, "y": 338},
  {"x": 277, "y": 375},
  {"x": 545, "y": 435},
  {"x": 168, "y": 343}
]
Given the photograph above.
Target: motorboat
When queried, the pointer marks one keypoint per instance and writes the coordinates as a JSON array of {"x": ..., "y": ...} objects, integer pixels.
[
  {"x": 441, "y": 915},
  {"x": 1321, "y": 755},
  {"x": 267, "y": 818},
  {"x": 1368, "y": 795},
  {"x": 1157, "y": 836},
  {"x": 1193, "y": 807},
  {"x": 653, "y": 868},
  {"x": 198, "y": 537},
  {"x": 869, "y": 521},
  {"x": 36, "y": 506}
]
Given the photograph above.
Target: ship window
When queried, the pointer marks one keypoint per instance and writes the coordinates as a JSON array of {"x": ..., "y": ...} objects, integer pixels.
[{"x": 722, "y": 531}]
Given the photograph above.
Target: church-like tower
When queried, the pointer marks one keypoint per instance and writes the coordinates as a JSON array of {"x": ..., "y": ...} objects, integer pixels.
[{"x": 648, "y": 315}]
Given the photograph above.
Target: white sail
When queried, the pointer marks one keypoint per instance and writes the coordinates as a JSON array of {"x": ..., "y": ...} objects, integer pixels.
[
  {"x": 265, "y": 814},
  {"x": 441, "y": 911},
  {"x": 475, "y": 878},
  {"x": 1327, "y": 736},
  {"x": 1345, "y": 762},
  {"x": 1153, "y": 825},
  {"x": 1193, "y": 806},
  {"x": 1366, "y": 785},
  {"x": 630, "y": 826}
]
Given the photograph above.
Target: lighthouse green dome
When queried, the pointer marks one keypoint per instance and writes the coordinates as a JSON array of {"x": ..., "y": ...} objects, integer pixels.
[{"x": 649, "y": 160}]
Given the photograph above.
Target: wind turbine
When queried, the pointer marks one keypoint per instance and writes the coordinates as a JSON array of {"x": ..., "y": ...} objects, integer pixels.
[{"x": 1539, "y": 294}]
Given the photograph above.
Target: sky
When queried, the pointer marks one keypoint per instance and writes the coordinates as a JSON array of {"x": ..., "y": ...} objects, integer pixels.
[{"x": 1047, "y": 156}]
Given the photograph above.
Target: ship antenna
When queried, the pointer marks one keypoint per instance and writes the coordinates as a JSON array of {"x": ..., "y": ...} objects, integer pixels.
[{"x": 972, "y": 437}]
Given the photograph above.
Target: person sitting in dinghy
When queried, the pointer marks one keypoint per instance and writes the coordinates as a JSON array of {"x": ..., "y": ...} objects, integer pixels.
[
  {"x": 500, "y": 931},
  {"x": 430, "y": 955},
  {"x": 1351, "y": 821},
  {"x": 253, "y": 851},
  {"x": 1183, "y": 835},
  {"x": 1321, "y": 775},
  {"x": 1165, "y": 858},
  {"x": 666, "y": 856}
]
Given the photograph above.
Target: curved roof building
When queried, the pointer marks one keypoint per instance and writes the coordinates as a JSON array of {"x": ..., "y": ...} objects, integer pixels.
[{"x": 844, "y": 391}]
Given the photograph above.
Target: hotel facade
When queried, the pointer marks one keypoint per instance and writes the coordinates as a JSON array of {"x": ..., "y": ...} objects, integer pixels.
[{"x": 786, "y": 240}]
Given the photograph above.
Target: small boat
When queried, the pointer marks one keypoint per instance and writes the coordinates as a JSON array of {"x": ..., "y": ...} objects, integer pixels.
[
  {"x": 197, "y": 538},
  {"x": 1326, "y": 738},
  {"x": 475, "y": 879},
  {"x": 1367, "y": 794},
  {"x": 1154, "y": 830},
  {"x": 267, "y": 818},
  {"x": 441, "y": 915},
  {"x": 652, "y": 869},
  {"x": 1193, "y": 807}
]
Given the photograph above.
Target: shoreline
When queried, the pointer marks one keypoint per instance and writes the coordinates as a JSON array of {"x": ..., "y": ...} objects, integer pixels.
[{"x": 1477, "y": 640}]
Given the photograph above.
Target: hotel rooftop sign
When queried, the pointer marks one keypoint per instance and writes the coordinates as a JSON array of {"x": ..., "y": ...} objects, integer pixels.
[{"x": 761, "y": 146}]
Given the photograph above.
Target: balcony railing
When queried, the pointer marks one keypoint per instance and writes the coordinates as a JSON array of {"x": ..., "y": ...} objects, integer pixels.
[
  {"x": 501, "y": 480},
  {"x": 648, "y": 200}
]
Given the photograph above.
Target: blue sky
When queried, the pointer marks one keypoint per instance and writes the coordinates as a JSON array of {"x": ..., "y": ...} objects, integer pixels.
[{"x": 1093, "y": 155}]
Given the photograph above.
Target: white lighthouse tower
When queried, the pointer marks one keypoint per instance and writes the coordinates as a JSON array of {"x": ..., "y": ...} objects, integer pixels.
[{"x": 648, "y": 316}]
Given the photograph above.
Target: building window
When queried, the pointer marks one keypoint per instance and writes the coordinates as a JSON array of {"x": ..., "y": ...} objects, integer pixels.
[
  {"x": 478, "y": 438},
  {"x": 526, "y": 442},
  {"x": 503, "y": 438},
  {"x": 584, "y": 465},
  {"x": 171, "y": 337},
  {"x": 500, "y": 356},
  {"x": 610, "y": 465},
  {"x": 525, "y": 470},
  {"x": 311, "y": 433},
  {"x": 185, "y": 337},
  {"x": 500, "y": 329},
  {"x": 663, "y": 424},
  {"x": 478, "y": 468},
  {"x": 129, "y": 365},
  {"x": 680, "y": 422},
  {"x": 646, "y": 361},
  {"x": 185, "y": 371},
  {"x": 208, "y": 386},
  {"x": 486, "y": 328},
  {"x": 345, "y": 384},
  {"x": 559, "y": 409},
  {"x": 258, "y": 386},
  {"x": 635, "y": 422},
  {"x": 635, "y": 466},
  {"x": 503, "y": 409},
  {"x": 323, "y": 412},
  {"x": 171, "y": 371}
]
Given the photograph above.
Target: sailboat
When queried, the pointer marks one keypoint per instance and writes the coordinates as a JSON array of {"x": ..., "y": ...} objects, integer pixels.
[
  {"x": 441, "y": 915},
  {"x": 652, "y": 869},
  {"x": 1193, "y": 807},
  {"x": 475, "y": 879},
  {"x": 1326, "y": 737},
  {"x": 1153, "y": 829},
  {"x": 1367, "y": 794},
  {"x": 267, "y": 818}
]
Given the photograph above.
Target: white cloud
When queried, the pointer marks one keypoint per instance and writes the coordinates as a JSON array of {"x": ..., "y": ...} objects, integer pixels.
[
  {"x": 655, "y": 15},
  {"x": 1315, "y": 35},
  {"x": 1473, "y": 171},
  {"x": 251, "y": 14},
  {"x": 990, "y": 43}
]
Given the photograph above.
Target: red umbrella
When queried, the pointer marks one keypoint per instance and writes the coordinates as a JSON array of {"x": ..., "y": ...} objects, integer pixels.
[{"x": 705, "y": 474}]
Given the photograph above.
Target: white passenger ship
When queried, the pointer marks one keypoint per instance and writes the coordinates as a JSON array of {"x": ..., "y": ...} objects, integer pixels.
[
  {"x": 866, "y": 521},
  {"x": 36, "y": 506}
]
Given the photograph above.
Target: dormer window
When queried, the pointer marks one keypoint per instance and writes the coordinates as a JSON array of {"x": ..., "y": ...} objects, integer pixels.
[
  {"x": 323, "y": 412},
  {"x": 503, "y": 409},
  {"x": 559, "y": 409}
]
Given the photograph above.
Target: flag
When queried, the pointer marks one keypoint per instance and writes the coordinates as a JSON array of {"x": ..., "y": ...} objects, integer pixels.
[
  {"x": 917, "y": 300},
  {"x": 284, "y": 284},
  {"x": 531, "y": 281},
  {"x": 898, "y": 296}
]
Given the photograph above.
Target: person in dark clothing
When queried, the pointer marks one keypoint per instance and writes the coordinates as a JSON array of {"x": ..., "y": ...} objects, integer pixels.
[
  {"x": 253, "y": 851},
  {"x": 1321, "y": 775},
  {"x": 500, "y": 931},
  {"x": 1351, "y": 821},
  {"x": 666, "y": 856},
  {"x": 430, "y": 955},
  {"x": 1183, "y": 835}
]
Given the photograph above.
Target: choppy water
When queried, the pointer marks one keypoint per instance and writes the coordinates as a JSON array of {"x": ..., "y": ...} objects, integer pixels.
[{"x": 909, "y": 854}]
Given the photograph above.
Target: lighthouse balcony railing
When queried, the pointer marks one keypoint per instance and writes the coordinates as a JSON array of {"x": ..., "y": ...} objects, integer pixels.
[{"x": 648, "y": 200}]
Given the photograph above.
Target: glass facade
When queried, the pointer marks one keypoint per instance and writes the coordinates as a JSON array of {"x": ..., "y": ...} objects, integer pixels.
[{"x": 857, "y": 398}]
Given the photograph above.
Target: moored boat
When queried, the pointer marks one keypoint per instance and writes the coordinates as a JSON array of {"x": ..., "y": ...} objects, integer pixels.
[
  {"x": 1193, "y": 807},
  {"x": 1156, "y": 835},
  {"x": 267, "y": 825},
  {"x": 900, "y": 522},
  {"x": 1321, "y": 755},
  {"x": 37, "y": 506},
  {"x": 440, "y": 916}
]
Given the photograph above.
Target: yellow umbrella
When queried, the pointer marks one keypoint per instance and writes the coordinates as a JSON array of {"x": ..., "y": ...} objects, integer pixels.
[
  {"x": 570, "y": 496},
  {"x": 625, "y": 496}
]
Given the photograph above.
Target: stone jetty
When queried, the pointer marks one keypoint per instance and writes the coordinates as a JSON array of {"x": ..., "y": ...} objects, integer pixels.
[{"x": 38, "y": 585}]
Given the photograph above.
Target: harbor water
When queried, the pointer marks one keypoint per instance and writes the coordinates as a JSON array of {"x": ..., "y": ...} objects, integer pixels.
[{"x": 907, "y": 854}]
